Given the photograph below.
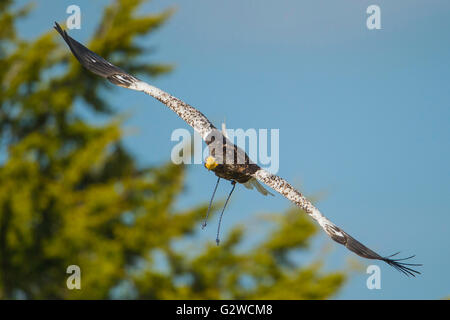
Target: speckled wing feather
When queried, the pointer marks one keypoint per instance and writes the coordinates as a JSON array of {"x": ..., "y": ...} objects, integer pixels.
[
  {"x": 96, "y": 64},
  {"x": 334, "y": 232}
]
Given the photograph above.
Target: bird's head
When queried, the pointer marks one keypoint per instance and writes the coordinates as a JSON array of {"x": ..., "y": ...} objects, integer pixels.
[{"x": 211, "y": 163}]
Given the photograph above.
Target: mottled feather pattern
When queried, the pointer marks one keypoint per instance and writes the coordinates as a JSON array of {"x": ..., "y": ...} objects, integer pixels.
[
  {"x": 189, "y": 114},
  {"x": 96, "y": 64},
  {"x": 337, "y": 234}
]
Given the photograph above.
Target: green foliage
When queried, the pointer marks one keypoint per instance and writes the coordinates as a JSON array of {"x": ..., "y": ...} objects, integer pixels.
[{"x": 70, "y": 193}]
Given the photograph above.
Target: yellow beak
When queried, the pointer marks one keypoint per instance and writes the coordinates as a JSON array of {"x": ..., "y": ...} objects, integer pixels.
[{"x": 211, "y": 163}]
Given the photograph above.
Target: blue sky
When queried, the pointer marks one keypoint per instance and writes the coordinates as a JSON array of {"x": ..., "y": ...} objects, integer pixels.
[{"x": 363, "y": 115}]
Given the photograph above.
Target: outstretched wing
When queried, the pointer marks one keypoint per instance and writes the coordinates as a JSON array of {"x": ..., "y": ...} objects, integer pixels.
[
  {"x": 96, "y": 64},
  {"x": 334, "y": 232}
]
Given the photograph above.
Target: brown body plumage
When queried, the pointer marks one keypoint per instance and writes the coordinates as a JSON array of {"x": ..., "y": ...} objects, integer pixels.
[
  {"x": 233, "y": 163},
  {"x": 233, "y": 172}
]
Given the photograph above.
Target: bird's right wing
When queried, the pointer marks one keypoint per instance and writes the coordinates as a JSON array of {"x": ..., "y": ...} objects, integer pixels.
[
  {"x": 96, "y": 64},
  {"x": 334, "y": 232}
]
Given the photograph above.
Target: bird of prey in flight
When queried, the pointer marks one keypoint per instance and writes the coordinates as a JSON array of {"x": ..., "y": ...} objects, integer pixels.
[{"x": 227, "y": 160}]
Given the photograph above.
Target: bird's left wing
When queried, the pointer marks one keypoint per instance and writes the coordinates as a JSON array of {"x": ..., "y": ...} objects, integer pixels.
[
  {"x": 334, "y": 232},
  {"x": 96, "y": 64}
]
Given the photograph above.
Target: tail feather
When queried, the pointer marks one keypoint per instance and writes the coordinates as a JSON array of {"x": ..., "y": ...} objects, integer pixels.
[{"x": 253, "y": 183}]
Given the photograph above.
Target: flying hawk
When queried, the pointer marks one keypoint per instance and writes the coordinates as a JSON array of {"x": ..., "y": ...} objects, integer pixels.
[{"x": 227, "y": 160}]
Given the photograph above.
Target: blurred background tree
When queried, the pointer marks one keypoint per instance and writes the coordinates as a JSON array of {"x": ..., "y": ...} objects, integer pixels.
[{"x": 71, "y": 194}]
